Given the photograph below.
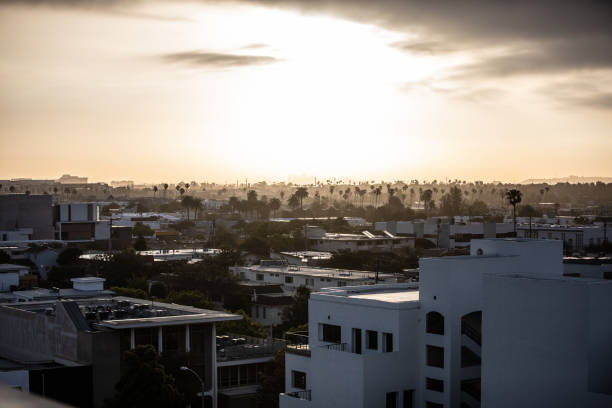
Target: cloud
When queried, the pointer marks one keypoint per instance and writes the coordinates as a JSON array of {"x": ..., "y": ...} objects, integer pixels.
[
  {"x": 219, "y": 60},
  {"x": 424, "y": 47},
  {"x": 254, "y": 46},
  {"x": 581, "y": 93}
]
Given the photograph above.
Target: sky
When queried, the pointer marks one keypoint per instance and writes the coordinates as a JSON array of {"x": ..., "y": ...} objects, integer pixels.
[{"x": 163, "y": 91}]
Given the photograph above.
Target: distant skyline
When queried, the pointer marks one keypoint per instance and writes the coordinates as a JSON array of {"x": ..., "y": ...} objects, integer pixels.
[{"x": 158, "y": 91}]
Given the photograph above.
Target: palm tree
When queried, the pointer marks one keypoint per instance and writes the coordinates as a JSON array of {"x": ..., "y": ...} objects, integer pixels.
[
  {"x": 165, "y": 186},
  {"x": 514, "y": 197},
  {"x": 154, "y": 190},
  {"x": 275, "y": 205},
  {"x": 301, "y": 193},
  {"x": 426, "y": 198},
  {"x": 377, "y": 192}
]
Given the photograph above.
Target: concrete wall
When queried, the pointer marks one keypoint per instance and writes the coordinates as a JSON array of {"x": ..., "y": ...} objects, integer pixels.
[
  {"x": 27, "y": 211},
  {"x": 548, "y": 342}
]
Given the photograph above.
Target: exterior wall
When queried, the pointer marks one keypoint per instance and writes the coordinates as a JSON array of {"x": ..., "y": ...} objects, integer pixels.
[
  {"x": 347, "y": 379},
  {"x": 27, "y": 211},
  {"x": 563, "y": 356},
  {"x": 268, "y": 315},
  {"x": 8, "y": 279},
  {"x": 332, "y": 245}
]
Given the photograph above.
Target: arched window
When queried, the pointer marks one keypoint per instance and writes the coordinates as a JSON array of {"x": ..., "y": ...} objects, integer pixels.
[{"x": 434, "y": 323}]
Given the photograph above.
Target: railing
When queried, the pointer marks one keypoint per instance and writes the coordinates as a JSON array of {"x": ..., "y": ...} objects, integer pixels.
[
  {"x": 337, "y": 347},
  {"x": 303, "y": 395},
  {"x": 251, "y": 347},
  {"x": 297, "y": 343}
]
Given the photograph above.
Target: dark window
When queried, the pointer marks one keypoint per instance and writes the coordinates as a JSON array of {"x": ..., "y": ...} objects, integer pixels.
[
  {"x": 471, "y": 387},
  {"x": 288, "y": 279},
  {"x": 90, "y": 212},
  {"x": 264, "y": 312},
  {"x": 391, "y": 400},
  {"x": 259, "y": 276},
  {"x": 434, "y": 323},
  {"x": 387, "y": 342},
  {"x": 357, "y": 341},
  {"x": 430, "y": 404},
  {"x": 298, "y": 379},
  {"x": 435, "y": 356},
  {"x": 332, "y": 333},
  {"x": 408, "y": 399},
  {"x": 173, "y": 338},
  {"x": 434, "y": 384},
  {"x": 146, "y": 336},
  {"x": 372, "y": 339}
]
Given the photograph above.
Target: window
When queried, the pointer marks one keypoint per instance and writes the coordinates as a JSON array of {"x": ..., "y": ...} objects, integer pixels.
[
  {"x": 391, "y": 400},
  {"x": 435, "y": 356},
  {"x": 264, "y": 312},
  {"x": 430, "y": 404},
  {"x": 387, "y": 342},
  {"x": 469, "y": 358},
  {"x": 288, "y": 279},
  {"x": 372, "y": 340},
  {"x": 357, "y": 341},
  {"x": 257, "y": 311},
  {"x": 298, "y": 379},
  {"x": 434, "y": 384},
  {"x": 434, "y": 323},
  {"x": 309, "y": 282},
  {"x": 408, "y": 399},
  {"x": 260, "y": 277},
  {"x": 331, "y": 333}
]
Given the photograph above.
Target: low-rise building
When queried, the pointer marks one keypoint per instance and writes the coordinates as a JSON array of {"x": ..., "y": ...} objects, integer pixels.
[
  {"x": 93, "y": 333},
  {"x": 26, "y": 217},
  {"x": 80, "y": 222},
  {"x": 320, "y": 240},
  {"x": 292, "y": 276}
]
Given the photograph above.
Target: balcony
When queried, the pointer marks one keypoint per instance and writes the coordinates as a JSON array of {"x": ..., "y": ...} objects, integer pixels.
[
  {"x": 303, "y": 395},
  {"x": 238, "y": 347},
  {"x": 297, "y": 343}
]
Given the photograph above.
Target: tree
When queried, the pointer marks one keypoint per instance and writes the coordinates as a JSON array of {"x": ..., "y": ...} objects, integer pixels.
[
  {"x": 69, "y": 256},
  {"x": 140, "y": 244},
  {"x": 297, "y": 313},
  {"x": 301, "y": 193},
  {"x": 426, "y": 198},
  {"x": 478, "y": 207},
  {"x": 158, "y": 290},
  {"x": 165, "y": 186},
  {"x": 272, "y": 382},
  {"x": 142, "y": 230},
  {"x": 154, "y": 190},
  {"x": 451, "y": 203},
  {"x": 144, "y": 383},
  {"x": 190, "y": 298},
  {"x": 293, "y": 201},
  {"x": 275, "y": 205},
  {"x": 514, "y": 197},
  {"x": 246, "y": 326}
]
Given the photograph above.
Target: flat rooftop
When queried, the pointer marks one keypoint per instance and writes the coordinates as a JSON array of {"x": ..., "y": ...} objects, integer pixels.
[
  {"x": 319, "y": 272},
  {"x": 124, "y": 312},
  {"x": 394, "y": 295}
]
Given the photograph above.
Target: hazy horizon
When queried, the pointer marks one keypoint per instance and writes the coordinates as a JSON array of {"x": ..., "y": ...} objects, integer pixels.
[{"x": 389, "y": 90}]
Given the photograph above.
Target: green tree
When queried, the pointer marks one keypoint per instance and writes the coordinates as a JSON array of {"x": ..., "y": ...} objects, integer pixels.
[
  {"x": 451, "y": 203},
  {"x": 158, "y": 290},
  {"x": 297, "y": 313},
  {"x": 145, "y": 383},
  {"x": 190, "y": 298},
  {"x": 514, "y": 197},
  {"x": 301, "y": 193},
  {"x": 272, "y": 382},
  {"x": 275, "y": 205},
  {"x": 529, "y": 211},
  {"x": 246, "y": 326},
  {"x": 141, "y": 229},
  {"x": 140, "y": 244},
  {"x": 426, "y": 199},
  {"x": 69, "y": 256}
]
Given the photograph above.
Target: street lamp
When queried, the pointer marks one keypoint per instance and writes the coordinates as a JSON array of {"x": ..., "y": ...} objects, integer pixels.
[{"x": 185, "y": 368}]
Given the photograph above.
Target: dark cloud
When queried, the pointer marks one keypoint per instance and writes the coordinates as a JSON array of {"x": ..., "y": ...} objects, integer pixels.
[
  {"x": 254, "y": 46},
  {"x": 593, "y": 92},
  {"x": 424, "y": 47},
  {"x": 218, "y": 60}
]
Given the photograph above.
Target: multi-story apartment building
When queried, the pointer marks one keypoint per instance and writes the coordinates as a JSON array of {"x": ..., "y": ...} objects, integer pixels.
[
  {"x": 320, "y": 240},
  {"x": 80, "y": 222},
  {"x": 461, "y": 340}
]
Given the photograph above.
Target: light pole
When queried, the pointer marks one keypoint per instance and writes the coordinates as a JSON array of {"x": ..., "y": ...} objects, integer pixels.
[{"x": 185, "y": 368}]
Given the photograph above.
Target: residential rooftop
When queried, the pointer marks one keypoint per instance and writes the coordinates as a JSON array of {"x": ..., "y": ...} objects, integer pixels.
[
  {"x": 394, "y": 296},
  {"x": 276, "y": 266}
]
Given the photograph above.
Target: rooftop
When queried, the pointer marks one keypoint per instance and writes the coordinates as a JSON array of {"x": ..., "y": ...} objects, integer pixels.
[
  {"x": 12, "y": 268},
  {"x": 278, "y": 267},
  {"x": 397, "y": 295},
  {"x": 123, "y": 312}
]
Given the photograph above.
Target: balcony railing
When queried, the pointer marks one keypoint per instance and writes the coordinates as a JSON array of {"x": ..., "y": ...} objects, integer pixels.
[
  {"x": 297, "y": 343},
  {"x": 303, "y": 395},
  {"x": 337, "y": 347},
  {"x": 246, "y": 347}
]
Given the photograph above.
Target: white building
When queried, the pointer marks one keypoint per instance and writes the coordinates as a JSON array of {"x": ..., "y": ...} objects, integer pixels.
[
  {"x": 461, "y": 340},
  {"x": 574, "y": 237},
  {"x": 320, "y": 240},
  {"x": 80, "y": 222},
  {"x": 292, "y": 276},
  {"x": 9, "y": 275}
]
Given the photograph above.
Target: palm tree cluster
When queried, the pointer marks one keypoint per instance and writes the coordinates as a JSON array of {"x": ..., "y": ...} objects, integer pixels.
[{"x": 191, "y": 203}]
